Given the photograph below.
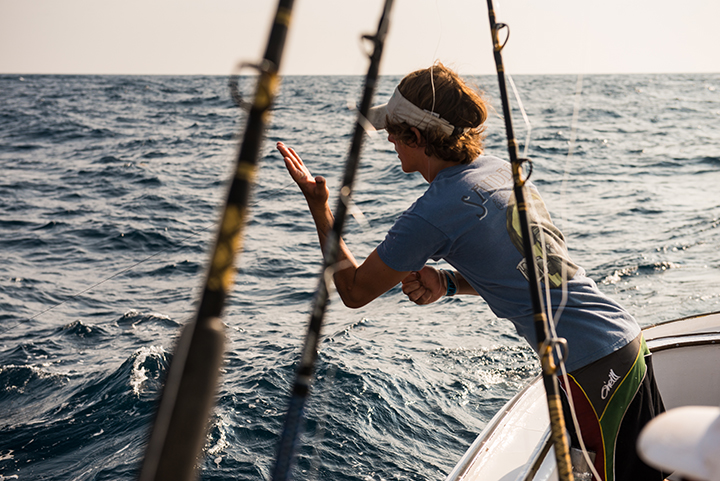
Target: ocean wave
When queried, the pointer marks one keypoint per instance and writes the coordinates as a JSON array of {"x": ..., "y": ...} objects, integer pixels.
[
  {"x": 638, "y": 270},
  {"x": 133, "y": 239},
  {"x": 80, "y": 330},
  {"x": 185, "y": 267},
  {"x": 124, "y": 168},
  {"x": 92, "y": 416},
  {"x": 134, "y": 318},
  {"x": 710, "y": 160},
  {"x": 148, "y": 367},
  {"x": 27, "y": 379}
]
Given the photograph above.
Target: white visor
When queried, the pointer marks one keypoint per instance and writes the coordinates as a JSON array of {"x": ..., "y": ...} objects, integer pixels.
[
  {"x": 399, "y": 109},
  {"x": 685, "y": 440}
]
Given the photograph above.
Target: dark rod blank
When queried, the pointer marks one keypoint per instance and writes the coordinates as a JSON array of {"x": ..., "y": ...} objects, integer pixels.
[{"x": 179, "y": 431}]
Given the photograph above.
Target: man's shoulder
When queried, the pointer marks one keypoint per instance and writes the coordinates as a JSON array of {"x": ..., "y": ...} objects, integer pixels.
[{"x": 486, "y": 172}]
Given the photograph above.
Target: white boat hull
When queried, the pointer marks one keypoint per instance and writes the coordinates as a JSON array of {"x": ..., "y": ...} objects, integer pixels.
[{"x": 515, "y": 443}]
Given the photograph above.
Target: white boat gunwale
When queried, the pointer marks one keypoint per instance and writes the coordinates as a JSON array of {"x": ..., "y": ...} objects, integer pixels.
[
  {"x": 489, "y": 429},
  {"x": 691, "y": 331}
]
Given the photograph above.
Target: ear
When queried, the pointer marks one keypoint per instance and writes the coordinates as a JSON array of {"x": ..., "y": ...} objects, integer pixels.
[{"x": 419, "y": 139}]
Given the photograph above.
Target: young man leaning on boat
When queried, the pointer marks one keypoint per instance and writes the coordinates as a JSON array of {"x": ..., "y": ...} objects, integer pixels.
[{"x": 468, "y": 217}]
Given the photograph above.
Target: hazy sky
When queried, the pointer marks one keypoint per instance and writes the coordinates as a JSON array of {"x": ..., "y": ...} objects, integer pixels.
[{"x": 211, "y": 36}]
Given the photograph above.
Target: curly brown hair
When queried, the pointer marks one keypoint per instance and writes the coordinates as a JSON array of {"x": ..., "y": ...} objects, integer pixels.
[{"x": 455, "y": 102}]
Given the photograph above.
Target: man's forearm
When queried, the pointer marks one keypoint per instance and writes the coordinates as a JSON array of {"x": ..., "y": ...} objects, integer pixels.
[{"x": 345, "y": 264}]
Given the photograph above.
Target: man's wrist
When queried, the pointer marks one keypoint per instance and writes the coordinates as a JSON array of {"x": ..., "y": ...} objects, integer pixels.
[{"x": 451, "y": 283}]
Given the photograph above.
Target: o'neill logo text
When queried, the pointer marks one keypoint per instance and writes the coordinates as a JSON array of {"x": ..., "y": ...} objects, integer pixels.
[{"x": 607, "y": 387}]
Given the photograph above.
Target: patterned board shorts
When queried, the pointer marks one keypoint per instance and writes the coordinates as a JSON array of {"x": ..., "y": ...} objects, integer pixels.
[{"x": 614, "y": 397}]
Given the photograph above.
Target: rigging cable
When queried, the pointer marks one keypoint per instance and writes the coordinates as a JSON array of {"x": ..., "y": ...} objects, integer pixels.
[
  {"x": 546, "y": 344},
  {"x": 180, "y": 426},
  {"x": 306, "y": 366}
]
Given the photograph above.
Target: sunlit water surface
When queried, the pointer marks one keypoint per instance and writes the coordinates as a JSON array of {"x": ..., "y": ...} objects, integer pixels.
[{"x": 109, "y": 198}]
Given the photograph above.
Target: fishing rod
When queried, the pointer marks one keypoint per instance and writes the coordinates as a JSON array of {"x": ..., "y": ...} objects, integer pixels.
[
  {"x": 180, "y": 426},
  {"x": 304, "y": 372},
  {"x": 546, "y": 344}
]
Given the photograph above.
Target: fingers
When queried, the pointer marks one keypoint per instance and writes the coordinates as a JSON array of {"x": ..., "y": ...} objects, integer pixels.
[
  {"x": 410, "y": 283},
  {"x": 284, "y": 150},
  {"x": 294, "y": 164},
  {"x": 418, "y": 296},
  {"x": 413, "y": 276},
  {"x": 424, "y": 286},
  {"x": 314, "y": 188},
  {"x": 296, "y": 171},
  {"x": 421, "y": 296},
  {"x": 414, "y": 289},
  {"x": 289, "y": 154}
]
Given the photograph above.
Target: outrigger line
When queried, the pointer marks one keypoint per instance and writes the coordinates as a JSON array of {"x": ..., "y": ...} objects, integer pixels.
[
  {"x": 546, "y": 343},
  {"x": 180, "y": 427},
  {"x": 304, "y": 373}
]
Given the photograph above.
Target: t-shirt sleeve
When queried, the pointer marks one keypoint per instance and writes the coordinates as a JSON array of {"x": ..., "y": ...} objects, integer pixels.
[{"x": 411, "y": 242}]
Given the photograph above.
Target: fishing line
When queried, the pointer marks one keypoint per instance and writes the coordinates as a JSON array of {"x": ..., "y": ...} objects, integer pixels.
[
  {"x": 432, "y": 78},
  {"x": 437, "y": 47},
  {"x": 540, "y": 321},
  {"x": 558, "y": 348},
  {"x": 331, "y": 252},
  {"x": 190, "y": 390},
  {"x": 576, "y": 424},
  {"x": 122, "y": 271},
  {"x": 355, "y": 211},
  {"x": 558, "y": 312},
  {"x": 432, "y": 85},
  {"x": 563, "y": 184},
  {"x": 524, "y": 114},
  {"x": 563, "y": 303},
  {"x": 545, "y": 270}
]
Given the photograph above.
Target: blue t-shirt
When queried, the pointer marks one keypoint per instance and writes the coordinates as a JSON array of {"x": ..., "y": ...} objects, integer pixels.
[{"x": 468, "y": 218}]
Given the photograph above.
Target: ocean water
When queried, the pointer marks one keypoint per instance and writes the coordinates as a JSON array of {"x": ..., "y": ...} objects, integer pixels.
[{"x": 109, "y": 199}]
